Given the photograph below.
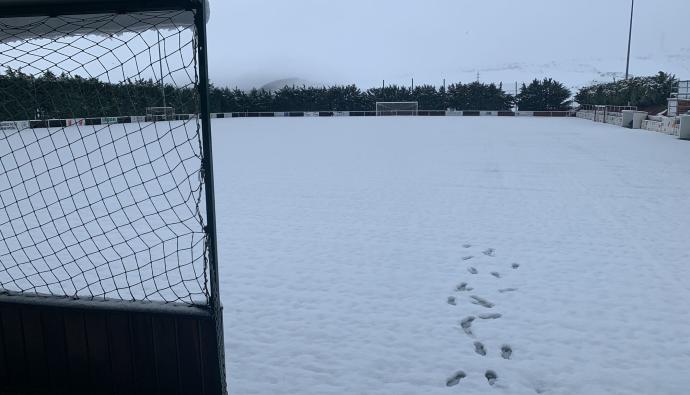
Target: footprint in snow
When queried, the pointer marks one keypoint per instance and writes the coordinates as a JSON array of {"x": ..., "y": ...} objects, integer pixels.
[
  {"x": 455, "y": 378},
  {"x": 506, "y": 351},
  {"x": 466, "y": 245},
  {"x": 504, "y": 290},
  {"x": 515, "y": 265},
  {"x": 466, "y": 325},
  {"x": 467, "y": 258},
  {"x": 491, "y": 377},
  {"x": 481, "y": 302},
  {"x": 451, "y": 300},
  {"x": 493, "y": 316},
  {"x": 496, "y": 274},
  {"x": 462, "y": 287},
  {"x": 479, "y": 348},
  {"x": 472, "y": 270},
  {"x": 489, "y": 252}
]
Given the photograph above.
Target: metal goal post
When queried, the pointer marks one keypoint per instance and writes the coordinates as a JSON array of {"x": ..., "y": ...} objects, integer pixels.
[
  {"x": 397, "y": 108},
  {"x": 155, "y": 114}
]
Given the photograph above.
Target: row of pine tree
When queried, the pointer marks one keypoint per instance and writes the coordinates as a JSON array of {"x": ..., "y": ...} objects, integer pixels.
[
  {"x": 644, "y": 92},
  {"x": 50, "y": 96}
]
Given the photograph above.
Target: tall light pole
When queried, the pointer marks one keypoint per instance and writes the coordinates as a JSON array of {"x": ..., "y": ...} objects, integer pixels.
[
  {"x": 627, "y": 64},
  {"x": 160, "y": 63}
]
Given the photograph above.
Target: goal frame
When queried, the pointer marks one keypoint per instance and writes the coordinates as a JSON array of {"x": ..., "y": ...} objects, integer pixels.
[
  {"x": 154, "y": 114},
  {"x": 29, "y": 8},
  {"x": 54, "y": 8},
  {"x": 34, "y": 8},
  {"x": 413, "y": 108},
  {"x": 199, "y": 8}
]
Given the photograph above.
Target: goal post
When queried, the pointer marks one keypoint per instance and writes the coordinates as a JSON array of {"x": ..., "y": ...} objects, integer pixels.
[
  {"x": 155, "y": 114},
  {"x": 104, "y": 217},
  {"x": 91, "y": 76},
  {"x": 397, "y": 108}
]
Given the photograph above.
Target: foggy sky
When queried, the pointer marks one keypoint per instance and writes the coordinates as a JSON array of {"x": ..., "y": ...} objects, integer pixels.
[{"x": 253, "y": 42}]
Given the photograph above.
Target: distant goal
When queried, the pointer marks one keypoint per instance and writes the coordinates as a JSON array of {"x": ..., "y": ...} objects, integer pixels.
[
  {"x": 155, "y": 114},
  {"x": 397, "y": 108}
]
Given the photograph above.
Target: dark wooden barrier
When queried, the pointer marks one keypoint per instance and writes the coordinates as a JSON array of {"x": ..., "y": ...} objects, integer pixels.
[
  {"x": 57, "y": 123},
  {"x": 431, "y": 113},
  {"x": 52, "y": 345},
  {"x": 38, "y": 124},
  {"x": 559, "y": 114},
  {"x": 683, "y": 106}
]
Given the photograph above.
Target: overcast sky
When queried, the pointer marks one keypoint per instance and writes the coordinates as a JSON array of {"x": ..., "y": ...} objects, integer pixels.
[{"x": 253, "y": 42}]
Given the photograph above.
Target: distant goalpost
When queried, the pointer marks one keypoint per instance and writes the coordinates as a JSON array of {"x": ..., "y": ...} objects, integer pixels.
[
  {"x": 155, "y": 114},
  {"x": 107, "y": 228},
  {"x": 397, "y": 108}
]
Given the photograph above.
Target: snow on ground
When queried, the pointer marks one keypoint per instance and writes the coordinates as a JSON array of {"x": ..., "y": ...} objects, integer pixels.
[{"x": 343, "y": 243}]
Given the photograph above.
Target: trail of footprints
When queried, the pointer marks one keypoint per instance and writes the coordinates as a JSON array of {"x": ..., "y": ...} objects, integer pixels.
[{"x": 466, "y": 323}]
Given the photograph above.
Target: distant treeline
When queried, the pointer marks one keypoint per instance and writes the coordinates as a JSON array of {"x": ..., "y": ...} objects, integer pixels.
[
  {"x": 473, "y": 96},
  {"x": 63, "y": 96},
  {"x": 50, "y": 96},
  {"x": 538, "y": 95}
]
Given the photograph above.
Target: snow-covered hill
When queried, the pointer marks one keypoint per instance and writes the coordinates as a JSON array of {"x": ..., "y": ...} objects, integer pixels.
[
  {"x": 278, "y": 84},
  {"x": 574, "y": 73}
]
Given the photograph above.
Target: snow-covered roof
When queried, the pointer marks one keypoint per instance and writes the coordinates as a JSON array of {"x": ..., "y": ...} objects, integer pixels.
[{"x": 27, "y": 19}]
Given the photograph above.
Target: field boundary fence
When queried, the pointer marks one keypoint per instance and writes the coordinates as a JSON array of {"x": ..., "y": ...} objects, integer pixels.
[
  {"x": 630, "y": 117},
  {"x": 95, "y": 121}
]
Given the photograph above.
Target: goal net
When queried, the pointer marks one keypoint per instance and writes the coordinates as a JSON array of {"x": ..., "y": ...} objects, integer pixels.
[
  {"x": 397, "y": 108},
  {"x": 155, "y": 114},
  {"x": 96, "y": 202}
]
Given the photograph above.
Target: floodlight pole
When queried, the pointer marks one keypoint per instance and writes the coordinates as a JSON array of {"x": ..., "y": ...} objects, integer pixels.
[
  {"x": 627, "y": 64},
  {"x": 160, "y": 63}
]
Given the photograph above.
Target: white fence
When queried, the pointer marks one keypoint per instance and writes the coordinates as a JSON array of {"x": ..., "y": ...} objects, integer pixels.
[
  {"x": 614, "y": 118},
  {"x": 635, "y": 120},
  {"x": 667, "y": 125},
  {"x": 682, "y": 90},
  {"x": 585, "y": 114},
  {"x": 604, "y": 114}
]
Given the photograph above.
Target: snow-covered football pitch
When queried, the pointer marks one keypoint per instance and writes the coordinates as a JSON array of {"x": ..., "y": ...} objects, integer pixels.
[{"x": 421, "y": 255}]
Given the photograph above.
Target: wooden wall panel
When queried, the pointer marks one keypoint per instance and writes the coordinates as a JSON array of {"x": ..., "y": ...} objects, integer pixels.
[
  {"x": 13, "y": 337},
  {"x": 102, "y": 348}
]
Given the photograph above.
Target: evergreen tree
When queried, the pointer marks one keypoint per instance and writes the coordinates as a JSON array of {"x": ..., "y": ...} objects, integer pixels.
[
  {"x": 545, "y": 95},
  {"x": 644, "y": 92},
  {"x": 66, "y": 96}
]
